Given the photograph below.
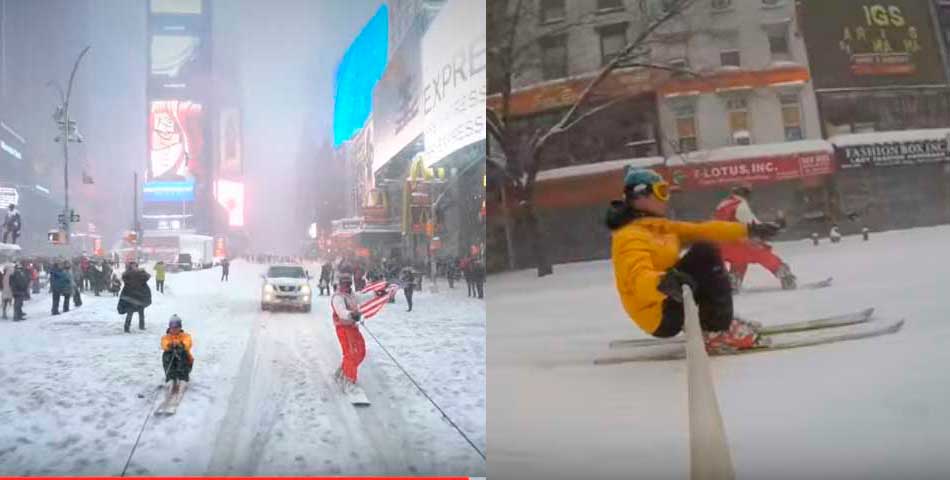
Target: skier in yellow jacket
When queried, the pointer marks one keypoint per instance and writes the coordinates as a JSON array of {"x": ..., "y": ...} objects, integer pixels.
[
  {"x": 649, "y": 273},
  {"x": 177, "y": 359}
]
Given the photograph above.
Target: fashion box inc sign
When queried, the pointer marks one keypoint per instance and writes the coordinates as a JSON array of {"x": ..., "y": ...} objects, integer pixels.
[
  {"x": 893, "y": 154},
  {"x": 454, "y": 85},
  {"x": 756, "y": 170}
]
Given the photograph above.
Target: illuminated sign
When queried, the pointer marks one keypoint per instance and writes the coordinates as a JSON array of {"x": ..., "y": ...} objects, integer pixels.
[
  {"x": 12, "y": 151},
  {"x": 231, "y": 196},
  {"x": 176, "y": 140},
  {"x": 871, "y": 43},
  {"x": 359, "y": 70},
  {"x": 169, "y": 192},
  {"x": 454, "y": 83},
  {"x": 186, "y": 7},
  {"x": 9, "y": 195}
]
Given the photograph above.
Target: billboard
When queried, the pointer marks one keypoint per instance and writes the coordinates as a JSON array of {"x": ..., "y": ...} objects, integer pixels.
[
  {"x": 229, "y": 148},
  {"x": 231, "y": 196},
  {"x": 169, "y": 191},
  {"x": 453, "y": 67},
  {"x": 870, "y": 43},
  {"x": 356, "y": 75},
  {"x": 403, "y": 18},
  {"x": 176, "y": 7},
  {"x": 177, "y": 60},
  {"x": 397, "y": 115},
  {"x": 176, "y": 140}
]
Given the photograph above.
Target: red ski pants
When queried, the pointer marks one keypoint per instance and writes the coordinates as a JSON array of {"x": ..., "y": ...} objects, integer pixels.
[
  {"x": 354, "y": 349},
  {"x": 740, "y": 254}
]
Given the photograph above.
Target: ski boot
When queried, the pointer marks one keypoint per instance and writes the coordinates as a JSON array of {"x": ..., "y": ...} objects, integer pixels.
[
  {"x": 785, "y": 276},
  {"x": 740, "y": 335}
]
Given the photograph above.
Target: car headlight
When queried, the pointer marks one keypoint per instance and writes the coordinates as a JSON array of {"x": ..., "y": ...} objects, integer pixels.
[
  {"x": 268, "y": 288},
  {"x": 305, "y": 290}
]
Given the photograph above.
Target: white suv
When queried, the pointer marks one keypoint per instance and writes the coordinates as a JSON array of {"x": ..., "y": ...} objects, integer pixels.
[{"x": 286, "y": 285}]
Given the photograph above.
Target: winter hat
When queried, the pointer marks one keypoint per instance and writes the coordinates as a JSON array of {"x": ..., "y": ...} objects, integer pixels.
[
  {"x": 174, "y": 321},
  {"x": 641, "y": 181}
]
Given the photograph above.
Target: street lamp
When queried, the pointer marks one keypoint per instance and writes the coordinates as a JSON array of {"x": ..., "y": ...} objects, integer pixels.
[{"x": 68, "y": 133}]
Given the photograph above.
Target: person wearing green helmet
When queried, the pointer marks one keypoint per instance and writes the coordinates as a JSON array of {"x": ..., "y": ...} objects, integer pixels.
[{"x": 650, "y": 274}]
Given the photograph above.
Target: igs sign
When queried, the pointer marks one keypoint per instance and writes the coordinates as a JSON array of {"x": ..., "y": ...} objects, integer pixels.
[
  {"x": 868, "y": 43},
  {"x": 454, "y": 85},
  {"x": 892, "y": 154}
]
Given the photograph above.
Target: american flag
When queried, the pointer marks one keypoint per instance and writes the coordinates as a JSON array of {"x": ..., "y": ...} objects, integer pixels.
[{"x": 373, "y": 306}]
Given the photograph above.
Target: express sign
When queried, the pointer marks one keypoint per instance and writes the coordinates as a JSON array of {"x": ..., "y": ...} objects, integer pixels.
[{"x": 757, "y": 170}]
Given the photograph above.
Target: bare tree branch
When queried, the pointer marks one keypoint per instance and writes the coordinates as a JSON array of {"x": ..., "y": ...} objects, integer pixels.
[
  {"x": 673, "y": 11},
  {"x": 590, "y": 113}
]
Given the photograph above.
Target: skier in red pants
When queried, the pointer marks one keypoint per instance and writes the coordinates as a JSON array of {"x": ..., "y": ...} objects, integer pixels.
[
  {"x": 346, "y": 318},
  {"x": 735, "y": 208}
]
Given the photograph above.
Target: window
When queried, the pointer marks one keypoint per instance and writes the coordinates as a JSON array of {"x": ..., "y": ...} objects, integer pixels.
[
  {"x": 554, "y": 57},
  {"x": 552, "y": 11},
  {"x": 686, "y": 138},
  {"x": 721, "y": 4},
  {"x": 612, "y": 40},
  {"x": 729, "y": 58},
  {"x": 739, "y": 120},
  {"x": 680, "y": 64},
  {"x": 778, "y": 43},
  {"x": 772, "y": 3},
  {"x": 606, "y": 5},
  {"x": 791, "y": 116}
]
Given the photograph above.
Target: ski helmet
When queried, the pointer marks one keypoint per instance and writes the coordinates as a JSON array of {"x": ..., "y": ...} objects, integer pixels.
[
  {"x": 174, "y": 321},
  {"x": 639, "y": 182}
]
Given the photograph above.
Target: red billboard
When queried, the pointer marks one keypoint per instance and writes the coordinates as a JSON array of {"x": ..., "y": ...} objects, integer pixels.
[
  {"x": 176, "y": 140},
  {"x": 752, "y": 170}
]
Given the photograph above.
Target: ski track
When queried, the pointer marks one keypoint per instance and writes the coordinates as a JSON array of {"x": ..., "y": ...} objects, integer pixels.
[
  {"x": 871, "y": 408},
  {"x": 262, "y": 400}
]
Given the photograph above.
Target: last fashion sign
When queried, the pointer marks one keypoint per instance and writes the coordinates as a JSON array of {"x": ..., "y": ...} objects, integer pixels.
[
  {"x": 753, "y": 170},
  {"x": 891, "y": 154}
]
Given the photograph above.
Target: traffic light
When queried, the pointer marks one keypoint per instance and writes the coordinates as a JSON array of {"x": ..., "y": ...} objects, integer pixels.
[{"x": 56, "y": 237}]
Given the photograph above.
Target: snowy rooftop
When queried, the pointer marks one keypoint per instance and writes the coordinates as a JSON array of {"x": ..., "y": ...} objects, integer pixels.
[
  {"x": 892, "y": 136},
  {"x": 752, "y": 151},
  {"x": 595, "y": 168}
]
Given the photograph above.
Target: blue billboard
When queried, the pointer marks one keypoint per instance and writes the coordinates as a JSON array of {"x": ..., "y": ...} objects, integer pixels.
[
  {"x": 169, "y": 191},
  {"x": 362, "y": 66}
]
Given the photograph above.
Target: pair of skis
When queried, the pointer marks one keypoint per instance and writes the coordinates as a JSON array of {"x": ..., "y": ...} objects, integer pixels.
[
  {"x": 175, "y": 390},
  {"x": 804, "y": 286},
  {"x": 838, "y": 328}
]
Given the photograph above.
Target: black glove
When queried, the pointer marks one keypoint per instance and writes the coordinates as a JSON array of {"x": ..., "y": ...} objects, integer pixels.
[
  {"x": 356, "y": 316},
  {"x": 672, "y": 283},
  {"x": 764, "y": 231}
]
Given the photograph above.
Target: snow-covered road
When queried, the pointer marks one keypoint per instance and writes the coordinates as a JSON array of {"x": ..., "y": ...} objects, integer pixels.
[
  {"x": 874, "y": 408},
  {"x": 75, "y": 391}
]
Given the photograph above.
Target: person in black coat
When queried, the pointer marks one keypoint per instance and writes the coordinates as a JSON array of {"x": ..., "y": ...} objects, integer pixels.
[
  {"x": 20, "y": 284},
  {"x": 135, "y": 295},
  {"x": 478, "y": 277},
  {"x": 408, "y": 285}
]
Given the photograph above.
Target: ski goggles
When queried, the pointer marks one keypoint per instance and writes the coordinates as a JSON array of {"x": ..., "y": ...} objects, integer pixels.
[{"x": 659, "y": 189}]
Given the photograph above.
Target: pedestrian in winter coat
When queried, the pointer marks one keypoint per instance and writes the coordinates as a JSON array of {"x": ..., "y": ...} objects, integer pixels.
[
  {"x": 225, "y": 269},
  {"x": 77, "y": 286},
  {"x": 465, "y": 266},
  {"x": 326, "y": 278},
  {"x": 6, "y": 275},
  {"x": 135, "y": 296},
  {"x": 20, "y": 285},
  {"x": 11, "y": 224},
  {"x": 160, "y": 277},
  {"x": 61, "y": 285},
  {"x": 177, "y": 359},
  {"x": 478, "y": 277},
  {"x": 408, "y": 285}
]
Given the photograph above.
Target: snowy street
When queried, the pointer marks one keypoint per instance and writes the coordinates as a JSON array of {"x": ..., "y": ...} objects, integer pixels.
[
  {"x": 873, "y": 408},
  {"x": 77, "y": 390}
]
